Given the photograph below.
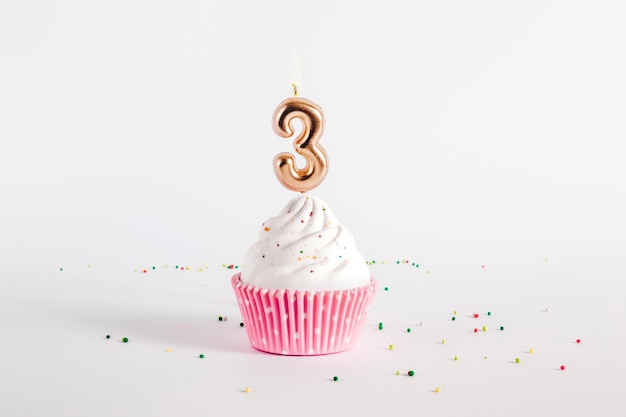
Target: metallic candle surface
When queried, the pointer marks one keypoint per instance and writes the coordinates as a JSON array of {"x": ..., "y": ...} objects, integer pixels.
[{"x": 305, "y": 144}]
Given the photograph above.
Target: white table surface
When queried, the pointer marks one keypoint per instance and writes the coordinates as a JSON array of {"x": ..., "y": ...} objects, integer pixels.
[{"x": 56, "y": 360}]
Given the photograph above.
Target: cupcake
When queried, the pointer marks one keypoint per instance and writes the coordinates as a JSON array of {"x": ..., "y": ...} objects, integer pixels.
[{"x": 304, "y": 289}]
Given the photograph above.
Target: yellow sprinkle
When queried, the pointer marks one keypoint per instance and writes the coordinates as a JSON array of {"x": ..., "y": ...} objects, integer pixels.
[
  {"x": 454, "y": 312},
  {"x": 248, "y": 390},
  {"x": 456, "y": 358},
  {"x": 437, "y": 390},
  {"x": 390, "y": 347},
  {"x": 169, "y": 349},
  {"x": 531, "y": 350},
  {"x": 397, "y": 372},
  {"x": 484, "y": 328},
  {"x": 443, "y": 341}
]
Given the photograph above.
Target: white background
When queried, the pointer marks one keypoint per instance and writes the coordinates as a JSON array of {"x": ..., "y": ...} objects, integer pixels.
[{"x": 460, "y": 134}]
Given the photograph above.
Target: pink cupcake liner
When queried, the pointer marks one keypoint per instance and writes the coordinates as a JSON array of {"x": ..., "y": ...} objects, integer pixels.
[{"x": 295, "y": 322}]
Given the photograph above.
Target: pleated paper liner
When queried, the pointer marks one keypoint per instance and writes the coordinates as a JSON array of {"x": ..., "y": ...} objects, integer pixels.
[{"x": 295, "y": 322}]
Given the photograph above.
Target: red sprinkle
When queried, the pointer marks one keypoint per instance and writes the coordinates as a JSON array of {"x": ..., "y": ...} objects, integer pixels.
[
  {"x": 475, "y": 315},
  {"x": 311, "y": 214},
  {"x": 562, "y": 367},
  {"x": 145, "y": 271},
  {"x": 577, "y": 340},
  {"x": 475, "y": 330}
]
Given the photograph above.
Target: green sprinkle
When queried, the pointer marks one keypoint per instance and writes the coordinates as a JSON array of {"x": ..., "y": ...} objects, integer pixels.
[
  {"x": 408, "y": 330},
  {"x": 236, "y": 266},
  {"x": 417, "y": 266},
  {"x": 398, "y": 262},
  {"x": 489, "y": 313},
  {"x": 125, "y": 339},
  {"x": 411, "y": 373},
  {"x": 456, "y": 358},
  {"x": 453, "y": 318},
  {"x": 220, "y": 318},
  {"x": 501, "y": 327},
  {"x": 517, "y": 360},
  {"x": 176, "y": 266},
  {"x": 201, "y": 356},
  {"x": 386, "y": 288},
  {"x": 335, "y": 378},
  {"x": 154, "y": 267},
  {"x": 108, "y": 336},
  {"x": 60, "y": 269}
]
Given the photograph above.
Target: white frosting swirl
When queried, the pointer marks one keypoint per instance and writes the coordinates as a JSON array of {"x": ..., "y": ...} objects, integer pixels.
[{"x": 305, "y": 248}]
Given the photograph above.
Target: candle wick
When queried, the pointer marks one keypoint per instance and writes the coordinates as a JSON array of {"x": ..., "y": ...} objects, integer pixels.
[{"x": 295, "y": 89}]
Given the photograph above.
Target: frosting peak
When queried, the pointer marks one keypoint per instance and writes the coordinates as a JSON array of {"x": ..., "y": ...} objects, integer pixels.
[{"x": 305, "y": 248}]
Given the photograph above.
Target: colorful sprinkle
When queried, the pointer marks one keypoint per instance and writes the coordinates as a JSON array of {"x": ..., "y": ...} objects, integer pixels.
[
  {"x": 390, "y": 347},
  {"x": 531, "y": 350},
  {"x": 453, "y": 318},
  {"x": 456, "y": 358},
  {"x": 335, "y": 378},
  {"x": 411, "y": 373},
  {"x": 484, "y": 328},
  {"x": 241, "y": 324},
  {"x": 489, "y": 313},
  {"x": 562, "y": 367},
  {"x": 443, "y": 341},
  {"x": 220, "y": 318},
  {"x": 422, "y": 323},
  {"x": 501, "y": 327},
  {"x": 108, "y": 336},
  {"x": 125, "y": 339},
  {"x": 437, "y": 390},
  {"x": 386, "y": 288},
  {"x": 248, "y": 390},
  {"x": 475, "y": 315},
  {"x": 408, "y": 330},
  {"x": 517, "y": 360},
  {"x": 267, "y": 229},
  {"x": 475, "y": 330},
  {"x": 201, "y": 356},
  {"x": 577, "y": 340},
  {"x": 169, "y": 349},
  {"x": 397, "y": 372}
]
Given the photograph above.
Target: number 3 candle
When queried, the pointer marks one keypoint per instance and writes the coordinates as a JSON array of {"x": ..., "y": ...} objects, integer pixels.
[{"x": 305, "y": 144}]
